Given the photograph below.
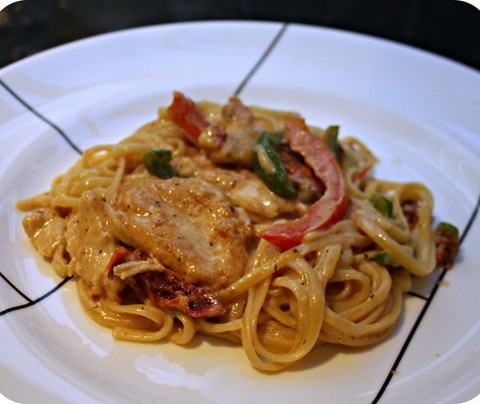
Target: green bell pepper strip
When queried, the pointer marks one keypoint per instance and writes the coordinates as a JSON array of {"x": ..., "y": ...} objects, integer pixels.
[
  {"x": 332, "y": 205},
  {"x": 447, "y": 229},
  {"x": 157, "y": 163},
  {"x": 268, "y": 166},
  {"x": 382, "y": 204},
  {"x": 331, "y": 139},
  {"x": 385, "y": 258}
]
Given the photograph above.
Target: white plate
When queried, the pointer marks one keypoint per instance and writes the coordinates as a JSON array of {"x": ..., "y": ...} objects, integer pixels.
[{"x": 419, "y": 113}]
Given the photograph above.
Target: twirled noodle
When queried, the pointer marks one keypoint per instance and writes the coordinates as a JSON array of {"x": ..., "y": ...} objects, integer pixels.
[{"x": 115, "y": 227}]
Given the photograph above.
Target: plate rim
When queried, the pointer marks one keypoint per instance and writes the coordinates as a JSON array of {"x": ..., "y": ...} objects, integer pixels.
[{"x": 87, "y": 41}]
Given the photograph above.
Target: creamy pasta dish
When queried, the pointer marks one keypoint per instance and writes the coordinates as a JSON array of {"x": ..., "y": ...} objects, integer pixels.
[{"x": 241, "y": 223}]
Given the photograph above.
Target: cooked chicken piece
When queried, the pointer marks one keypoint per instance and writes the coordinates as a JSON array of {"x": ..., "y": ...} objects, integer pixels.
[
  {"x": 231, "y": 139},
  {"x": 236, "y": 111},
  {"x": 245, "y": 189},
  {"x": 89, "y": 243},
  {"x": 45, "y": 229},
  {"x": 186, "y": 224}
]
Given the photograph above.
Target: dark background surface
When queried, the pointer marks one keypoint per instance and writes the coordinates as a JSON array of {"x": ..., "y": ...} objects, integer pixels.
[{"x": 446, "y": 27}]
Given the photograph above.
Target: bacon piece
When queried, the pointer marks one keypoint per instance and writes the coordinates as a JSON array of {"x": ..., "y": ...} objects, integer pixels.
[
  {"x": 409, "y": 209},
  {"x": 168, "y": 289},
  {"x": 309, "y": 188},
  {"x": 446, "y": 249}
]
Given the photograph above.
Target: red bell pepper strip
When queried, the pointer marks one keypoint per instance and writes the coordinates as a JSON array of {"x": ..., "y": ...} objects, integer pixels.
[
  {"x": 121, "y": 255},
  {"x": 332, "y": 205},
  {"x": 185, "y": 113}
]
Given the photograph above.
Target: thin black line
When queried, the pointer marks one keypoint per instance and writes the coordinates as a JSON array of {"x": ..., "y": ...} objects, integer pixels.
[
  {"x": 424, "y": 310},
  {"x": 43, "y": 118},
  {"x": 261, "y": 60},
  {"x": 15, "y": 288},
  {"x": 407, "y": 341},
  {"x": 470, "y": 222},
  {"x": 419, "y": 295},
  {"x": 32, "y": 302}
]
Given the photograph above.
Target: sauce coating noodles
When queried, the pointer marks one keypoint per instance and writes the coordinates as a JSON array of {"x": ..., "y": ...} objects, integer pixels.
[{"x": 167, "y": 258}]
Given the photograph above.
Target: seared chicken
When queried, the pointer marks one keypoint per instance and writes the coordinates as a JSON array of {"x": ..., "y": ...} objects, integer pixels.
[
  {"x": 89, "y": 259},
  {"x": 187, "y": 225}
]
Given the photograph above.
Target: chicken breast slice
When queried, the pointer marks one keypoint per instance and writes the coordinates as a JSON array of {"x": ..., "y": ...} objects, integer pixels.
[
  {"x": 89, "y": 241},
  {"x": 248, "y": 191},
  {"x": 45, "y": 229},
  {"x": 186, "y": 224}
]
